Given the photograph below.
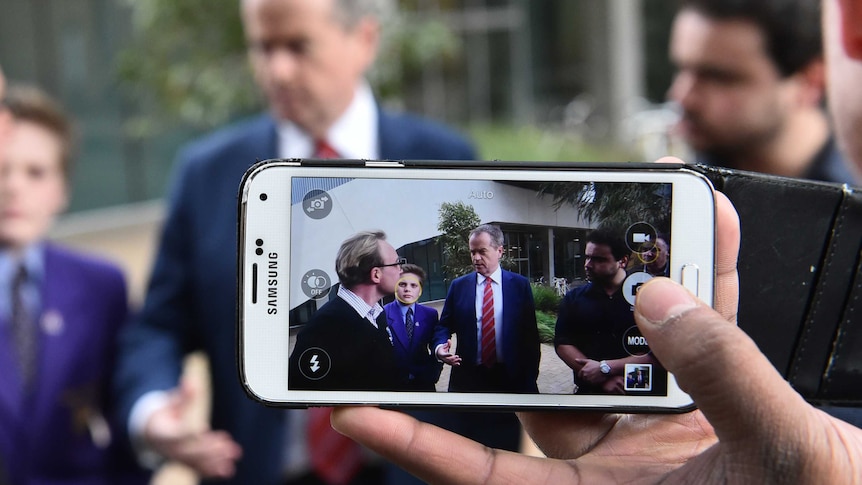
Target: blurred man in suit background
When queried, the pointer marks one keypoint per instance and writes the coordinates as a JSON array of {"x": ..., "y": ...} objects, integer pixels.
[{"x": 309, "y": 58}]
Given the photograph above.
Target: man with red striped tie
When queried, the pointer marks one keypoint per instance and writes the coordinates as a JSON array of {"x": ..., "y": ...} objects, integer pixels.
[
  {"x": 309, "y": 59},
  {"x": 492, "y": 314}
]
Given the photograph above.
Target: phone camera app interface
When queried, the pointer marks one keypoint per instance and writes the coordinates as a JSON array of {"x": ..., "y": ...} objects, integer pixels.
[{"x": 474, "y": 285}]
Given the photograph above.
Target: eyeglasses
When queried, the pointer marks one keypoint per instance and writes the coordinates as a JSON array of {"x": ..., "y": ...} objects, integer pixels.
[{"x": 398, "y": 262}]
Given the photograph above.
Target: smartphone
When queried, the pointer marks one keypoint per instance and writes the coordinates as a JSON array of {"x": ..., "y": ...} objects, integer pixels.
[{"x": 561, "y": 290}]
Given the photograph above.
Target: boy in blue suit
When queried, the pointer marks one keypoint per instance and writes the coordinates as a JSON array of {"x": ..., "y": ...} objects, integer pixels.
[
  {"x": 60, "y": 313},
  {"x": 412, "y": 327}
]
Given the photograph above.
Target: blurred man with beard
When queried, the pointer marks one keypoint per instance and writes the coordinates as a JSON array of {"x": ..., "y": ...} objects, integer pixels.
[{"x": 750, "y": 85}]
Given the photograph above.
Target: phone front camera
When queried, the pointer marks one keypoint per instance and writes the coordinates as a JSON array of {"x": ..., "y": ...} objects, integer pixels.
[
  {"x": 258, "y": 251},
  {"x": 263, "y": 197}
]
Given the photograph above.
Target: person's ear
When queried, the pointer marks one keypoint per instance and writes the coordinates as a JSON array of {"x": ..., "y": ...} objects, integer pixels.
[
  {"x": 812, "y": 85},
  {"x": 367, "y": 37},
  {"x": 851, "y": 27}
]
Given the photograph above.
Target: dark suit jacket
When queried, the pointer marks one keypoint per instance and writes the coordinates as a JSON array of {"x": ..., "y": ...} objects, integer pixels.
[
  {"x": 191, "y": 300},
  {"x": 44, "y": 437},
  {"x": 520, "y": 338},
  {"x": 417, "y": 356},
  {"x": 360, "y": 356}
]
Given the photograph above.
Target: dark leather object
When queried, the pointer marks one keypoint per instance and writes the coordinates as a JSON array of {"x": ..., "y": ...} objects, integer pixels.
[{"x": 801, "y": 279}]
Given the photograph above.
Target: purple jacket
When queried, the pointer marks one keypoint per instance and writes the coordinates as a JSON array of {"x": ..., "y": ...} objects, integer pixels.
[{"x": 59, "y": 433}]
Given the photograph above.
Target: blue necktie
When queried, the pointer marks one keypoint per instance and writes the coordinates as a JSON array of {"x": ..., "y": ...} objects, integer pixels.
[
  {"x": 408, "y": 324},
  {"x": 23, "y": 328}
]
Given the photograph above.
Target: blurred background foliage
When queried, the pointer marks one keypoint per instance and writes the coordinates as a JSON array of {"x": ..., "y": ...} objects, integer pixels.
[
  {"x": 614, "y": 206},
  {"x": 535, "y": 143}
]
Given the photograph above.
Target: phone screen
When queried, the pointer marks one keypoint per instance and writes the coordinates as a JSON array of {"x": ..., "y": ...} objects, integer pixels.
[{"x": 564, "y": 258}]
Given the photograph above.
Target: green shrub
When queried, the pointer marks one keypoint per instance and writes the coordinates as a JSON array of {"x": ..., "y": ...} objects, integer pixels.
[
  {"x": 546, "y": 322},
  {"x": 545, "y": 298}
]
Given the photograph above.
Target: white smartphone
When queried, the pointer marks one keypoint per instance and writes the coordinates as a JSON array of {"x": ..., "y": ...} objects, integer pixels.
[{"x": 561, "y": 288}]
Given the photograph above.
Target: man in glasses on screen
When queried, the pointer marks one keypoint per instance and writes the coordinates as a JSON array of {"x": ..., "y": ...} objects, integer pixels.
[{"x": 347, "y": 345}]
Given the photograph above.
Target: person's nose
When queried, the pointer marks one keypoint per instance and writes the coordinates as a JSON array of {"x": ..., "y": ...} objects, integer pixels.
[
  {"x": 683, "y": 89},
  {"x": 11, "y": 182},
  {"x": 281, "y": 65}
]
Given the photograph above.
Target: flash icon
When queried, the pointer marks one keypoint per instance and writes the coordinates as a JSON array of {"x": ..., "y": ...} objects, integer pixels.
[{"x": 314, "y": 363}]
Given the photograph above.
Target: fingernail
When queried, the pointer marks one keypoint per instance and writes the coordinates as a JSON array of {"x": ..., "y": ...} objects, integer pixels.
[{"x": 661, "y": 299}]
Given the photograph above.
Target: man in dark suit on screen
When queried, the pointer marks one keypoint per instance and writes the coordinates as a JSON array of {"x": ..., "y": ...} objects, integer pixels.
[
  {"x": 491, "y": 312},
  {"x": 351, "y": 329}
]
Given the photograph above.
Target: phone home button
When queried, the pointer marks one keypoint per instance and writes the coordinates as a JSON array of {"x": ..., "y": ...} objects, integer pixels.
[{"x": 690, "y": 277}]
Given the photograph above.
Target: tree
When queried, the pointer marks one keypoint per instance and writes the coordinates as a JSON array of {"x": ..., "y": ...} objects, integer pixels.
[
  {"x": 614, "y": 205},
  {"x": 455, "y": 223}
]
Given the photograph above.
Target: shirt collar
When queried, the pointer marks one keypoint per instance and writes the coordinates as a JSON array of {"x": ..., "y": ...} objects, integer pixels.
[
  {"x": 405, "y": 306},
  {"x": 33, "y": 259},
  {"x": 353, "y": 135},
  {"x": 359, "y": 305},
  {"x": 496, "y": 277}
]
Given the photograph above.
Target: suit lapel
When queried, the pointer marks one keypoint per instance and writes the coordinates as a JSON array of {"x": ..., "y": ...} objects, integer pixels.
[
  {"x": 396, "y": 325},
  {"x": 471, "y": 341},
  {"x": 266, "y": 138},
  {"x": 57, "y": 341},
  {"x": 510, "y": 306},
  {"x": 420, "y": 322},
  {"x": 389, "y": 145}
]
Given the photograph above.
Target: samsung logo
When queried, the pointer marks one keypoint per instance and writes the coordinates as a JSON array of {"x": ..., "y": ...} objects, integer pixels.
[{"x": 272, "y": 284}]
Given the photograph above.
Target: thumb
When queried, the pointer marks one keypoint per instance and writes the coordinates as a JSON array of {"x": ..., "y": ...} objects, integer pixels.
[
  {"x": 182, "y": 398},
  {"x": 717, "y": 364}
]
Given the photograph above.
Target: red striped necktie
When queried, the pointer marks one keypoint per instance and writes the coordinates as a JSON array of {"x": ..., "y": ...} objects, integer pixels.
[
  {"x": 322, "y": 149},
  {"x": 489, "y": 339}
]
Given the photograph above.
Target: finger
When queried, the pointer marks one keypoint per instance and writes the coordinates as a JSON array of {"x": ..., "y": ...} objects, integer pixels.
[
  {"x": 212, "y": 454},
  {"x": 567, "y": 435},
  {"x": 439, "y": 456},
  {"x": 726, "y": 252},
  {"x": 669, "y": 160},
  {"x": 182, "y": 398},
  {"x": 717, "y": 364}
]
